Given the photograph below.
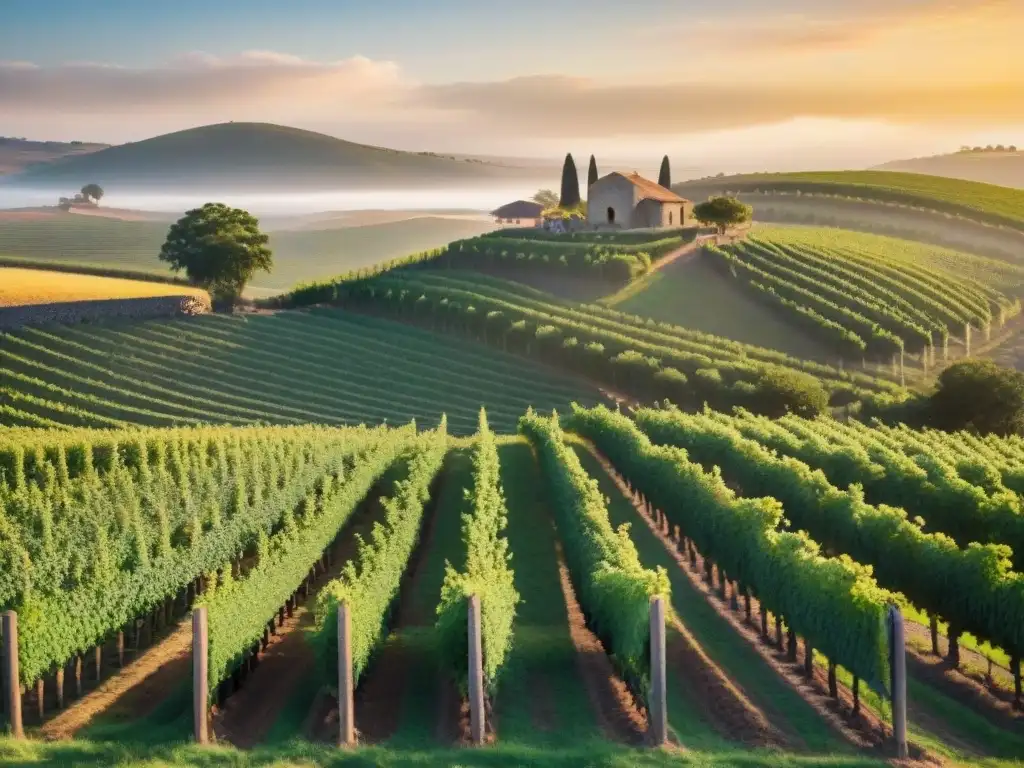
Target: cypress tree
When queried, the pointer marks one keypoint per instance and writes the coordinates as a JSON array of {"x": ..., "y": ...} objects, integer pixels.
[
  {"x": 665, "y": 175},
  {"x": 592, "y": 173},
  {"x": 570, "y": 184}
]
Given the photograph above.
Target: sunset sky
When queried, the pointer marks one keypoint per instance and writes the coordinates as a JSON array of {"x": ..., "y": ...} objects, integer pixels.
[{"x": 744, "y": 82}]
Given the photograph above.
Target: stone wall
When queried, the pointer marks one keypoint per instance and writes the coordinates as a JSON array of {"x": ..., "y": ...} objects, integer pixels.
[{"x": 70, "y": 312}]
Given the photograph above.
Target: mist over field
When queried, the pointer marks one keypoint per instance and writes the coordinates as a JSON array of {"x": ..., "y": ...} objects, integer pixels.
[{"x": 482, "y": 198}]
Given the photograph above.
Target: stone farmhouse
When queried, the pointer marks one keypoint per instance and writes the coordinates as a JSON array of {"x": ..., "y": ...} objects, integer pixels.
[{"x": 629, "y": 201}]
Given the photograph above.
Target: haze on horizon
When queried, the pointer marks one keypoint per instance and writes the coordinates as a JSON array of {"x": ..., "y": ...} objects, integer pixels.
[{"x": 728, "y": 84}]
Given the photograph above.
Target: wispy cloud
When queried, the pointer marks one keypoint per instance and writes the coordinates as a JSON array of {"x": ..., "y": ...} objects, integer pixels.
[
  {"x": 573, "y": 106},
  {"x": 856, "y": 28},
  {"x": 198, "y": 80},
  {"x": 271, "y": 86}
]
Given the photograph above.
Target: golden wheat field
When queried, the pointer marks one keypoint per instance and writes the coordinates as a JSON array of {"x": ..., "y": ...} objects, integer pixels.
[{"x": 20, "y": 287}]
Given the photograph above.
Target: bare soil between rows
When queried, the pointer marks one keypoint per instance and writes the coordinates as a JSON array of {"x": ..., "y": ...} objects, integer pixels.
[
  {"x": 247, "y": 716},
  {"x": 1001, "y": 682},
  {"x": 618, "y": 715},
  {"x": 730, "y": 711},
  {"x": 135, "y": 691},
  {"x": 976, "y": 695}
]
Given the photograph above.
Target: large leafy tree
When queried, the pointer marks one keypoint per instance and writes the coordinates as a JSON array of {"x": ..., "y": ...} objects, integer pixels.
[
  {"x": 665, "y": 174},
  {"x": 723, "y": 212},
  {"x": 979, "y": 395},
  {"x": 219, "y": 248},
  {"x": 570, "y": 197},
  {"x": 92, "y": 192},
  {"x": 592, "y": 172}
]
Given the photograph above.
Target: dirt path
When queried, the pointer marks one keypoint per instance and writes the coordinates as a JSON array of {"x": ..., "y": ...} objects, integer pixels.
[
  {"x": 136, "y": 691},
  {"x": 613, "y": 705},
  {"x": 248, "y": 715},
  {"x": 633, "y": 287},
  {"x": 685, "y": 253}
]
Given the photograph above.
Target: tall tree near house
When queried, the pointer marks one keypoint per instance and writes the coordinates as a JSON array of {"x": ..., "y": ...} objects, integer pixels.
[
  {"x": 546, "y": 197},
  {"x": 665, "y": 174},
  {"x": 570, "y": 184},
  {"x": 592, "y": 172}
]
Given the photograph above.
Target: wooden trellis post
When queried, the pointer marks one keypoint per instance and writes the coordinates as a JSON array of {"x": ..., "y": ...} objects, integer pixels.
[
  {"x": 476, "y": 672},
  {"x": 346, "y": 701},
  {"x": 658, "y": 703},
  {"x": 898, "y": 665},
  {"x": 12, "y": 694},
  {"x": 200, "y": 675}
]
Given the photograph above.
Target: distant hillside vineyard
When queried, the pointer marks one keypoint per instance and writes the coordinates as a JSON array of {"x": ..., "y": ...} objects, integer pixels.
[
  {"x": 628, "y": 353},
  {"x": 870, "y": 296},
  {"x": 327, "y": 367},
  {"x": 987, "y": 203}
]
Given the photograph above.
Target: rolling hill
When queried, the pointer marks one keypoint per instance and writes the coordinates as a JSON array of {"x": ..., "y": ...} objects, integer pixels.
[
  {"x": 933, "y": 228},
  {"x": 247, "y": 156},
  {"x": 970, "y": 200},
  {"x": 1003, "y": 168}
]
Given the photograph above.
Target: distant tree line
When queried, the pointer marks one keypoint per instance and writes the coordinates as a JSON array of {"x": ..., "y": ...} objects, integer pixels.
[
  {"x": 6, "y": 139},
  {"x": 989, "y": 148},
  {"x": 90, "y": 194}
]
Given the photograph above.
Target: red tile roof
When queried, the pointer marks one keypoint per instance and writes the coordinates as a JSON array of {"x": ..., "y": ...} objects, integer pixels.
[{"x": 650, "y": 190}]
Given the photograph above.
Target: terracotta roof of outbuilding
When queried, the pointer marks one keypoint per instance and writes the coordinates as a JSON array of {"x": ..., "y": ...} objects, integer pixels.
[
  {"x": 520, "y": 209},
  {"x": 650, "y": 190}
]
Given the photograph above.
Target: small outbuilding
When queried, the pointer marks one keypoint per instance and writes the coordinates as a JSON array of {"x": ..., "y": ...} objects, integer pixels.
[
  {"x": 521, "y": 213},
  {"x": 629, "y": 201}
]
